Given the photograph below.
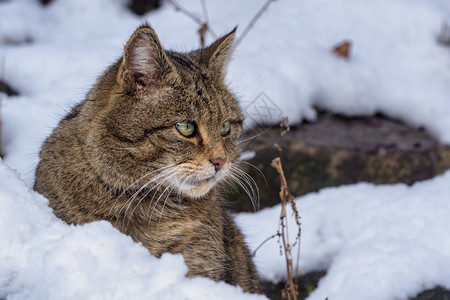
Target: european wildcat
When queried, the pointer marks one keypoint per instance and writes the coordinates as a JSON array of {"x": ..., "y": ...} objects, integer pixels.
[{"x": 145, "y": 151}]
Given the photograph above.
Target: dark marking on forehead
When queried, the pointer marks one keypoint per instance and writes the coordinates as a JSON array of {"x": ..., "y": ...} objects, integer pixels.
[
  {"x": 184, "y": 62},
  {"x": 211, "y": 101}
]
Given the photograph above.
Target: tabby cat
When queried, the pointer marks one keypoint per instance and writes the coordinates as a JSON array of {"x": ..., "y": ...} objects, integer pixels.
[{"x": 148, "y": 149}]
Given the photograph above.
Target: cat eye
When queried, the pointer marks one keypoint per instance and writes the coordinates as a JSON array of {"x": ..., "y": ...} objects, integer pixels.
[
  {"x": 225, "y": 128},
  {"x": 185, "y": 128}
]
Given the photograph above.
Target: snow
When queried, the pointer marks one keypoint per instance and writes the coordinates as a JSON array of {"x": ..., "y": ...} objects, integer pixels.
[
  {"x": 43, "y": 258},
  {"x": 376, "y": 242}
]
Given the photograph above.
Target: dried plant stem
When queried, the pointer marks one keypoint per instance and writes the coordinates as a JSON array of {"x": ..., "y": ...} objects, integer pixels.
[
  {"x": 290, "y": 290},
  {"x": 205, "y": 11},
  {"x": 204, "y": 25},
  {"x": 253, "y": 22},
  {"x": 183, "y": 10},
  {"x": 265, "y": 241}
]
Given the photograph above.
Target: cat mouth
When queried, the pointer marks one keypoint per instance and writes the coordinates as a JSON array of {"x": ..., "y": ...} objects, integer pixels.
[
  {"x": 196, "y": 182},
  {"x": 197, "y": 187}
]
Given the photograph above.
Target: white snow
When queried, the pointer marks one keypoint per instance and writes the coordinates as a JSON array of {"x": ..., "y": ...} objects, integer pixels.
[
  {"x": 43, "y": 258},
  {"x": 376, "y": 242}
]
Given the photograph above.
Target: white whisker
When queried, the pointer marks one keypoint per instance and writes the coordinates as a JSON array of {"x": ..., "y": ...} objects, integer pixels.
[
  {"x": 160, "y": 178},
  {"x": 247, "y": 183},
  {"x": 170, "y": 177},
  {"x": 135, "y": 182},
  {"x": 254, "y": 136}
]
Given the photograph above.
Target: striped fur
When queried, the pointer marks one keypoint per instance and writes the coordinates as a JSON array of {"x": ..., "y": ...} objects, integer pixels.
[{"x": 118, "y": 156}]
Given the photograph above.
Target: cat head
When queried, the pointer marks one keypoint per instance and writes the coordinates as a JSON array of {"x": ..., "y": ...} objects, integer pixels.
[{"x": 166, "y": 120}]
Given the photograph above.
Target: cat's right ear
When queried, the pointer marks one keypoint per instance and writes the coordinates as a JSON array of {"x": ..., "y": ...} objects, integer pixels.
[{"x": 144, "y": 62}]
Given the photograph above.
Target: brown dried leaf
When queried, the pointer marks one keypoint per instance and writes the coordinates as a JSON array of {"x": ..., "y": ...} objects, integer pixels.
[{"x": 343, "y": 49}]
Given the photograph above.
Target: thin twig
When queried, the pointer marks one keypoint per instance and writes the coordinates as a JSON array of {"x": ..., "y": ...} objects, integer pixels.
[
  {"x": 253, "y": 22},
  {"x": 204, "y": 25},
  {"x": 180, "y": 8},
  {"x": 290, "y": 290},
  {"x": 205, "y": 11},
  {"x": 265, "y": 241}
]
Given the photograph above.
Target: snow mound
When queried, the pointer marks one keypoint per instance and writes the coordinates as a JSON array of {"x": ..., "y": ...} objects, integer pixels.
[
  {"x": 43, "y": 258},
  {"x": 376, "y": 242}
]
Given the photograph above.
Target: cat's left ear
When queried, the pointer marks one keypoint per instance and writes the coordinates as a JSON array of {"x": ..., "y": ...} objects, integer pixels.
[
  {"x": 145, "y": 63},
  {"x": 219, "y": 53}
]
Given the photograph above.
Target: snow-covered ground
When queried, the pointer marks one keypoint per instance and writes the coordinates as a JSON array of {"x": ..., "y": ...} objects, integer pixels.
[
  {"x": 43, "y": 258},
  {"x": 377, "y": 242}
]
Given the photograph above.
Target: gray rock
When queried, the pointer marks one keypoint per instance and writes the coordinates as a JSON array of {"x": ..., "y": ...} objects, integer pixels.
[{"x": 338, "y": 150}]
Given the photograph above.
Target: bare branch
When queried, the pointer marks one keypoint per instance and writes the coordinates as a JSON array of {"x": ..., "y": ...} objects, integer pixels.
[
  {"x": 253, "y": 22},
  {"x": 204, "y": 25},
  {"x": 290, "y": 290},
  {"x": 265, "y": 241},
  {"x": 205, "y": 13},
  {"x": 180, "y": 8}
]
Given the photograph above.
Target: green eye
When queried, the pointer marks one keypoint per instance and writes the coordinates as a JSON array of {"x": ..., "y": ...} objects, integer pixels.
[
  {"x": 185, "y": 128},
  {"x": 225, "y": 128}
]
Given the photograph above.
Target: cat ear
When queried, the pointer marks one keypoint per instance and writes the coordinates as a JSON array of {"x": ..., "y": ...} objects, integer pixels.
[
  {"x": 219, "y": 53},
  {"x": 144, "y": 61}
]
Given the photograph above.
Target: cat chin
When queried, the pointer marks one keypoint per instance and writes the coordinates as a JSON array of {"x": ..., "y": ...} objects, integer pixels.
[
  {"x": 200, "y": 187},
  {"x": 197, "y": 189}
]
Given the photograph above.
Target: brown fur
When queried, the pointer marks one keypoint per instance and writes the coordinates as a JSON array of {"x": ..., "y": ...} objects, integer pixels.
[{"x": 118, "y": 156}]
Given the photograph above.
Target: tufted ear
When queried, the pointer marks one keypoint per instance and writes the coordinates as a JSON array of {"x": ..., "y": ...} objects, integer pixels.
[
  {"x": 218, "y": 54},
  {"x": 144, "y": 62}
]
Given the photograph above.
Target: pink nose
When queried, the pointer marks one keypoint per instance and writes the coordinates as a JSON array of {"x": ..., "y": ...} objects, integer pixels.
[{"x": 218, "y": 163}]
